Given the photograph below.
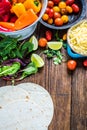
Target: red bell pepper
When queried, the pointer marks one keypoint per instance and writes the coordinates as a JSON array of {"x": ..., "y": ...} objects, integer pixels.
[{"x": 5, "y": 7}]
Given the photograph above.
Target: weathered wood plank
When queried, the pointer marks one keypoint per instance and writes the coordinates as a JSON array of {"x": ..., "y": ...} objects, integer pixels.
[
  {"x": 61, "y": 119},
  {"x": 79, "y": 100}
]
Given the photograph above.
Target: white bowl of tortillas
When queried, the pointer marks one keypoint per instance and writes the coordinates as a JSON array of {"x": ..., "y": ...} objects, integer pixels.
[{"x": 26, "y": 106}]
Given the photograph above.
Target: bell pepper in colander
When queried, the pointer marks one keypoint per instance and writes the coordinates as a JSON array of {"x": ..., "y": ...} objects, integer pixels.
[
  {"x": 7, "y": 25},
  {"x": 18, "y": 9},
  {"x": 33, "y": 4},
  {"x": 4, "y": 29},
  {"x": 5, "y": 7},
  {"x": 20, "y": 1},
  {"x": 25, "y": 19}
]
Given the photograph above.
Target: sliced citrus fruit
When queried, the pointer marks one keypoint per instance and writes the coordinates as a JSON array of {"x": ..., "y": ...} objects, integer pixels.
[
  {"x": 34, "y": 41},
  {"x": 35, "y": 58},
  {"x": 54, "y": 45}
]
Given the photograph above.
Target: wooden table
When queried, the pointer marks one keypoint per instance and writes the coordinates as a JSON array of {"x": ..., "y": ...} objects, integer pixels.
[{"x": 68, "y": 91}]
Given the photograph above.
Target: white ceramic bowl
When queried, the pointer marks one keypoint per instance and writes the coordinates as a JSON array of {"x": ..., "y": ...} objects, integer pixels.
[
  {"x": 77, "y": 37},
  {"x": 27, "y": 31}
]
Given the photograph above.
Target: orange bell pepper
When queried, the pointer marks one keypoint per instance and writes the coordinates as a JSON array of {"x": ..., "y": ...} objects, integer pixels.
[
  {"x": 33, "y": 4},
  {"x": 20, "y": 1},
  {"x": 25, "y": 19},
  {"x": 7, "y": 25},
  {"x": 18, "y": 9}
]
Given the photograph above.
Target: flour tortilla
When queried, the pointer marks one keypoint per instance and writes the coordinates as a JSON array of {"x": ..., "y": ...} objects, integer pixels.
[
  {"x": 18, "y": 101},
  {"x": 22, "y": 115},
  {"x": 41, "y": 97},
  {"x": 10, "y": 94}
]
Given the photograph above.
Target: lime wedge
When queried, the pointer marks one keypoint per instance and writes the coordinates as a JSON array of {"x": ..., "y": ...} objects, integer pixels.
[
  {"x": 34, "y": 41},
  {"x": 37, "y": 60},
  {"x": 55, "y": 45}
]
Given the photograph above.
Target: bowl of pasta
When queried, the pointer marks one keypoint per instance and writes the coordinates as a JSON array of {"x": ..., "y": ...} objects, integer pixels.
[{"x": 77, "y": 37}]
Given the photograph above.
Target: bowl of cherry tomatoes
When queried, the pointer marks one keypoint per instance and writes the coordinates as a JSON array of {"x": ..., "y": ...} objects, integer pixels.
[{"x": 62, "y": 14}]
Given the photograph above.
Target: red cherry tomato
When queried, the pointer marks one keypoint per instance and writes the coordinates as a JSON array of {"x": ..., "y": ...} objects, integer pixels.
[
  {"x": 51, "y": 13},
  {"x": 47, "y": 10},
  {"x": 71, "y": 64},
  {"x": 50, "y": 4},
  {"x": 48, "y": 34},
  {"x": 57, "y": 15},
  {"x": 85, "y": 63},
  {"x": 75, "y": 8},
  {"x": 58, "y": 22},
  {"x": 56, "y": 1},
  {"x": 69, "y": 2}
]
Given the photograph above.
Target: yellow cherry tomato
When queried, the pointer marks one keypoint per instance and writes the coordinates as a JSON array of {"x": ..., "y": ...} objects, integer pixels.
[
  {"x": 69, "y": 9},
  {"x": 65, "y": 18},
  {"x": 45, "y": 17},
  {"x": 56, "y": 9},
  {"x": 50, "y": 21},
  {"x": 62, "y": 5}
]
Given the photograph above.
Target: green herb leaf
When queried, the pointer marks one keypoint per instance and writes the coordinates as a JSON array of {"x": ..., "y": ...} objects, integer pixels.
[
  {"x": 9, "y": 70},
  {"x": 30, "y": 69},
  {"x": 26, "y": 48}
]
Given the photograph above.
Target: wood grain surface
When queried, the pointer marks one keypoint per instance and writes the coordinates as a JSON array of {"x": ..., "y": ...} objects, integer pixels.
[{"x": 68, "y": 91}]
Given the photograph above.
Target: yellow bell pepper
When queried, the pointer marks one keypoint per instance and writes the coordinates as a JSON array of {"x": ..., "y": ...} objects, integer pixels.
[
  {"x": 33, "y": 4},
  {"x": 18, "y": 9},
  {"x": 25, "y": 19}
]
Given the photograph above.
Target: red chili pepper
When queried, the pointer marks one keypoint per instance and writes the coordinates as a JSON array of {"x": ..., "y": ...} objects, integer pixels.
[
  {"x": 48, "y": 35},
  {"x": 85, "y": 63}
]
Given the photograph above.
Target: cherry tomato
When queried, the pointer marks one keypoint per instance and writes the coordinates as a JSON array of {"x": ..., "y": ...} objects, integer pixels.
[
  {"x": 50, "y": 21},
  {"x": 50, "y": 4},
  {"x": 63, "y": 11},
  {"x": 58, "y": 22},
  {"x": 48, "y": 34},
  {"x": 75, "y": 8},
  {"x": 62, "y": 5},
  {"x": 69, "y": 9},
  {"x": 47, "y": 10},
  {"x": 42, "y": 42},
  {"x": 56, "y": 1},
  {"x": 69, "y": 2},
  {"x": 65, "y": 18},
  {"x": 57, "y": 15},
  {"x": 51, "y": 13},
  {"x": 85, "y": 63},
  {"x": 71, "y": 64},
  {"x": 45, "y": 17},
  {"x": 56, "y": 9}
]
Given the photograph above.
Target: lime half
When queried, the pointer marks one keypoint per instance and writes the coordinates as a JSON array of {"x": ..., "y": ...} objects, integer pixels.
[
  {"x": 34, "y": 41},
  {"x": 55, "y": 45},
  {"x": 37, "y": 60}
]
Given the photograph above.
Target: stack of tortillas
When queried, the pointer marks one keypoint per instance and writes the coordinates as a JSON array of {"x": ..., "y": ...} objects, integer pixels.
[{"x": 26, "y": 106}]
